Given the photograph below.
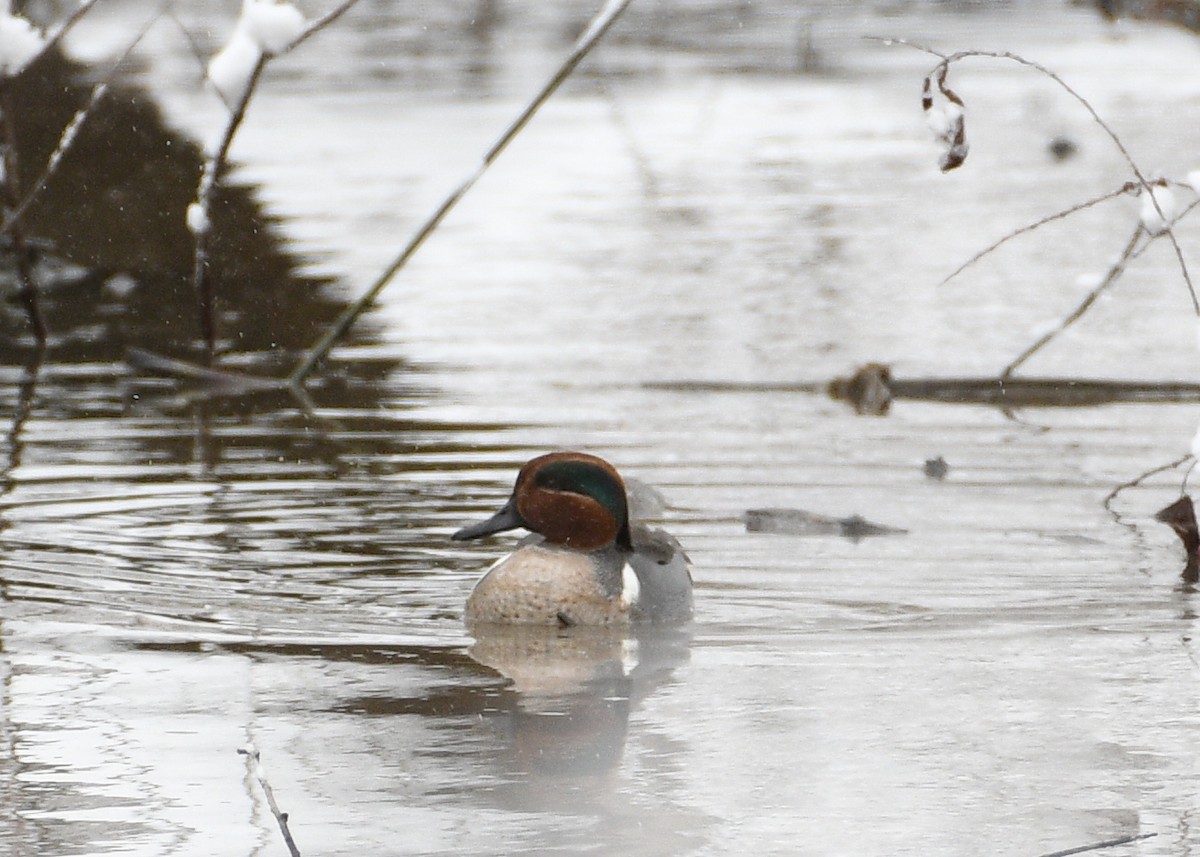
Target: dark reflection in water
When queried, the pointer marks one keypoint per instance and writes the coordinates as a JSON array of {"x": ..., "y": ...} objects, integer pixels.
[
  {"x": 114, "y": 273},
  {"x": 154, "y": 479},
  {"x": 117, "y": 272}
]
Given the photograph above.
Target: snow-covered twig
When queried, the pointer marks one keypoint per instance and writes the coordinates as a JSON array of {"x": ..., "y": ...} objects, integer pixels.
[
  {"x": 599, "y": 25},
  {"x": 256, "y": 768},
  {"x": 264, "y": 30},
  {"x": 1159, "y": 211},
  {"x": 199, "y": 217},
  {"x": 1131, "y": 252}
]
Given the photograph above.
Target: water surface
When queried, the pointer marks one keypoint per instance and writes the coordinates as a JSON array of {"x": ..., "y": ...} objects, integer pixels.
[{"x": 709, "y": 200}]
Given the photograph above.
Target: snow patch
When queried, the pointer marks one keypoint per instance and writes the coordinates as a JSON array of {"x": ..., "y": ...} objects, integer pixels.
[
  {"x": 1159, "y": 208},
  {"x": 230, "y": 69},
  {"x": 20, "y": 43},
  {"x": 272, "y": 26}
]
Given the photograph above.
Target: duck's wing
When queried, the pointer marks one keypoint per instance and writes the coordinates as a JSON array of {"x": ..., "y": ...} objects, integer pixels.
[{"x": 664, "y": 575}]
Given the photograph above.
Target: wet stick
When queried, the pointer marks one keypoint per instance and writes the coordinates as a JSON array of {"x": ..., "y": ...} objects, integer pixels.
[
  {"x": 13, "y": 217},
  {"x": 1096, "y": 846},
  {"x": 252, "y": 759}
]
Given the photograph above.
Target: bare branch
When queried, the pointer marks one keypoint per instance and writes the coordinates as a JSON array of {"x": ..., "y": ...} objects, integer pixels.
[
  {"x": 1183, "y": 268},
  {"x": 253, "y": 760},
  {"x": 599, "y": 25},
  {"x": 72, "y": 130},
  {"x": 321, "y": 23},
  {"x": 1020, "y": 60},
  {"x": 1138, "y": 480},
  {"x": 1128, "y": 187},
  {"x": 1096, "y": 846},
  {"x": 65, "y": 27},
  {"x": 214, "y": 165},
  {"x": 1114, "y": 272},
  {"x": 197, "y": 53},
  {"x": 939, "y": 72}
]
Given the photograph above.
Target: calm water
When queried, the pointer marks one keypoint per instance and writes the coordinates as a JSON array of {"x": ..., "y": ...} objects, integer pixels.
[{"x": 1015, "y": 675}]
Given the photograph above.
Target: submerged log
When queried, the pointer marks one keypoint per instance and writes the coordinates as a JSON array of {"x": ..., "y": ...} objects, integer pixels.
[
  {"x": 872, "y": 389},
  {"x": 798, "y": 522}
]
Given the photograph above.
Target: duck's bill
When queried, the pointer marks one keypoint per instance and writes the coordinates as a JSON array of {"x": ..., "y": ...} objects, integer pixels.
[{"x": 506, "y": 519}]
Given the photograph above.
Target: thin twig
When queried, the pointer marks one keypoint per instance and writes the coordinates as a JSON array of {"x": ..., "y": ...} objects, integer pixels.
[
  {"x": 27, "y": 287},
  {"x": 1183, "y": 268},
  {"x": 1130, "y": 253},
  {"x": 596, "y": 29},
  {"x": 948, "y": 59},
  {"x": 71, "y": 131},
  {"x": 217, "y": 378},
  {"x": 27, "y": 389},
  {"x": 1138, "y": 480},
  {"x": 321, "y": 23},
  {"x": 1108, "y": 843},
  {"x": 1114, "y": 272},
  {"x": 197, "y": 51},
  {"x": 252, "y": 757},
  {"x": 1128, "y": 187},
  {"x": 65, "y": 27},
  {"x": 214, "y": 165}
]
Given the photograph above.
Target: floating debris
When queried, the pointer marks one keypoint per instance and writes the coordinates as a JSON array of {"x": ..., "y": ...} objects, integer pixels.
[
  {"x": 1062, "y": 148},
  {"x": 797, "y": 522},
  {"x": 869, "y": 389},
  {"x": 936, "y": 468}
]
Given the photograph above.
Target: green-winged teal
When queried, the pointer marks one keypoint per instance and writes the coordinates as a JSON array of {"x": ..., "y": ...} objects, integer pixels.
[{"x": 585, "y": 564}]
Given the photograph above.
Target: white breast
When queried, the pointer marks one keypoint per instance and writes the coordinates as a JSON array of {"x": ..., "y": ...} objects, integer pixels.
[{"x": 631, "y": 588}]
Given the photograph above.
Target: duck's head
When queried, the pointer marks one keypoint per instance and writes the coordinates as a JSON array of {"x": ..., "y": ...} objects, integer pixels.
[{"x": 571, "y": 498}]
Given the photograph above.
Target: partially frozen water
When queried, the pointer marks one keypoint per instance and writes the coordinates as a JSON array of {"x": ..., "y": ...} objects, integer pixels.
[{"x": 741, "y": 193}]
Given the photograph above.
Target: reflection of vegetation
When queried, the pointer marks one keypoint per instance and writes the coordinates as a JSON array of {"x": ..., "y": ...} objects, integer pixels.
[
  {"x": 215, "y": 207},
  {"x": 117, "y": 273},
  {"x": 264, "y": 30}
]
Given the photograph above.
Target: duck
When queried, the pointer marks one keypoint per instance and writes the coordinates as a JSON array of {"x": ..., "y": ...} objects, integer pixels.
[{"x": 583, "y": 563}]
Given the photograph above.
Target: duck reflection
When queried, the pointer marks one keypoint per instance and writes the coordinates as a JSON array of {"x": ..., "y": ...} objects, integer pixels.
[{"x": 571, "y": 691}]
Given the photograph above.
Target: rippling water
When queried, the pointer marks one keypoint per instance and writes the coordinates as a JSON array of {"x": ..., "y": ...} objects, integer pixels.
[{"x": 736, "y": 194}]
